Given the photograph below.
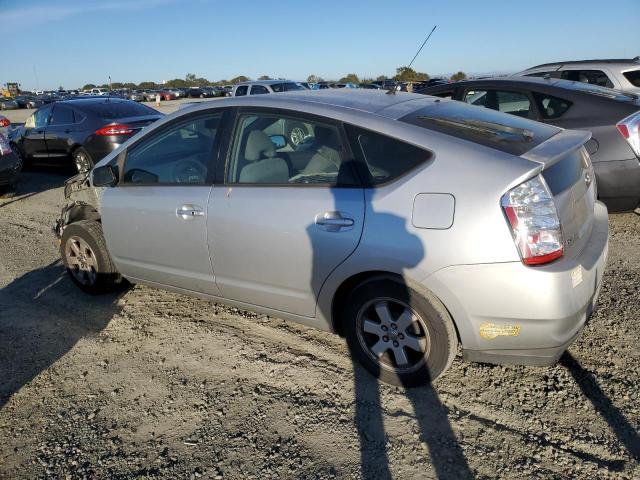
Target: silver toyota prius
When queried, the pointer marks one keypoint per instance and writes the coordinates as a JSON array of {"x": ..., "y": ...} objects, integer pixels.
[{"x": 410, "y": 225}]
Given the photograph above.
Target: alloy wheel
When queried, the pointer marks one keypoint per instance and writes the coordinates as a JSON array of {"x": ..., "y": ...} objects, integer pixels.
[
  {"x": 81, "y": 261},
  {"x": 82, "y": 162},
  {"x": 393, "y": 334},
  {"x": 297, "y": 136}
]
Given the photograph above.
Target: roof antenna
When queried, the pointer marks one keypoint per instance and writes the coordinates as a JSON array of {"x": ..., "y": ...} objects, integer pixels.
[{"x": 393, "y": 91}]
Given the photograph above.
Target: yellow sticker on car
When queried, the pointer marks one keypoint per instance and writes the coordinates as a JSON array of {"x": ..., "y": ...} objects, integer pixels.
[
  {"x": 490, "y": 330},
  {"x": 576, "y": 276}
]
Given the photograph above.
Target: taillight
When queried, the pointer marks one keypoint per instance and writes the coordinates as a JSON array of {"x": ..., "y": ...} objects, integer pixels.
[
  {"x": 629, "y": 128},
  {"x": 4, "y": 122},
  {"x": 534, "y": 222},
  {"x": 116, "y": 129}
]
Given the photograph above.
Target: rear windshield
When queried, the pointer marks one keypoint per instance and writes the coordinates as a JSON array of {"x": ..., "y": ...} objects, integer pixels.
[
  {"x": 507, "y": 133},
  {"x": 633, "y": 77},
  {"x": 111, "y": 109}
]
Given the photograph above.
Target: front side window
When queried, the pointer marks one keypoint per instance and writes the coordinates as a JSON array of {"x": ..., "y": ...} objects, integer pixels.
[
  {"x": 241, "y": 90},
  {"x": 593, "y": 77},
  {"x": 386, "y": 158},
  {"x": 41, "y": 117},
  {"x": 287, "y": 150},
  {"x": 552, "y": 107},
  {"x": 62, "y": 116},
  {"x": 258, "y": 90},
  {"x": 180, "y": 154}
]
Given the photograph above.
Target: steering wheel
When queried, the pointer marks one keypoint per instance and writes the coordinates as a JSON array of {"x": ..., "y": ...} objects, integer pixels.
[{"x": 189, "y": 171}]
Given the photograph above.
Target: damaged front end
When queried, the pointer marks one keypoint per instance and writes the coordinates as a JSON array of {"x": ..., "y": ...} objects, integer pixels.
[{"x": 82, "y": 202}]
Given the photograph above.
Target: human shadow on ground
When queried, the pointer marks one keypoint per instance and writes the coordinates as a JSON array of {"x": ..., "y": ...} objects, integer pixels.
[
  {"x": 588, "y": 384},
  {"x": 445, "y": 453},
  {"x": 42, "y": 316}
]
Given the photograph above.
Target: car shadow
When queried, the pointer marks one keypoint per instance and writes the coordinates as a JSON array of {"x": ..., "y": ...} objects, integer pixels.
[
  {"x": 588, "y": 384},
  {"x": 42, "y": 316},
  {"x": 31, "y": 183},
  {"x": 445, "y": 453}
]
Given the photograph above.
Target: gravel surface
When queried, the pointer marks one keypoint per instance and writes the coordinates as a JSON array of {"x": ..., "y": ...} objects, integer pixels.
[{"x": 153, "y": 384}]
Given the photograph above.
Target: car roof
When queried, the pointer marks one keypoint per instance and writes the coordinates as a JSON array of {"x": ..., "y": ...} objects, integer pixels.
[
  {"x": 517, "y": 81},
  {"x": 377, "y": 102},
  {"x": 623, "y": 62},
  {"x": 264, "y": 82}
]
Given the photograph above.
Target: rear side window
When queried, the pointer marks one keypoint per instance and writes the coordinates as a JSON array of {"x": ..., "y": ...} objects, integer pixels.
[
  {"x": 62, "y": 116},
  {"x": 386, "y": 158},
  {"x": 258, "y": 90},
  {"x": 118, "y": 109},
  {"x": 633, "y": 77},
  {"x": 515, "y": 103},
  {"x": 593, "y": 77},
  {"x": 242, "y": 90},
  {"x": 552, "y": 107}
]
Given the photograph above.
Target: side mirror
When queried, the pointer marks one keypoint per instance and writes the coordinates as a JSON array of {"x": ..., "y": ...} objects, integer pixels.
[
  {"x": 279, "y": 141},
  {"x": 105, "y": 176}
]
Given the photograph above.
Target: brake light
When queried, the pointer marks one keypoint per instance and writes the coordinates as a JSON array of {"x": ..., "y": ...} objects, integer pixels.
[
  {"x": 4, "y": 122},
  {"x": 629, "y": 128},
  {"x": 534, "y": 222},
  {"x": 116, "y": 129}
]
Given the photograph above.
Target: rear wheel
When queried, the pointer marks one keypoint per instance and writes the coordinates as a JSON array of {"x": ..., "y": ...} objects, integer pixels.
[
  {"x": 86, "y": 258},
  {"x": 398, "y": 334},
  {"x": 82, "y": 160}
]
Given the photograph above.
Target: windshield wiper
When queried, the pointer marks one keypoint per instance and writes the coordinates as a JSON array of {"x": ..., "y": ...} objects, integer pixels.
[{"x": 501, "y": 132}]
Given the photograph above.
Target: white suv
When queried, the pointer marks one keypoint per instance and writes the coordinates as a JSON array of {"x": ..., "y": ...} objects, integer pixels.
[
  {"x": 260, "y": 87},
  {"x": 619, "y": 74}
]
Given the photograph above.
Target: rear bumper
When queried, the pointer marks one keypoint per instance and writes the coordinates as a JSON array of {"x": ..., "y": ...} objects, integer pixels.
[
  {"x": 619, "y": 183},
  {"x": 511, "y": 313}
]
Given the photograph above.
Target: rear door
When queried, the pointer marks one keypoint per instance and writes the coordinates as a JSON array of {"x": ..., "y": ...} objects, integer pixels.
[
  {"x": 277, "y": 230},
  {"x": 155, "y": 218}
]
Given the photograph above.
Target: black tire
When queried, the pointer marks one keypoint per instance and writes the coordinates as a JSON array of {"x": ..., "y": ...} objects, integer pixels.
[
  {"x": 7, "y": 191},
  {"x": 102, "y": 276},
  {"x": 430, "y": 325},
  {"x": 82, "y": 160}
]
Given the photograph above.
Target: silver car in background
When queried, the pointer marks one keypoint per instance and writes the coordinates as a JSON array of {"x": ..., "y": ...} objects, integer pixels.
[
  {"x": 409, "y": 224},
  {"x": 619, "y": 74}
]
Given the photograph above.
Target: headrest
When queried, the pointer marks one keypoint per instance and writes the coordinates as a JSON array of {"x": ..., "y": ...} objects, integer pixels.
[{"x": 259, "y": 145}]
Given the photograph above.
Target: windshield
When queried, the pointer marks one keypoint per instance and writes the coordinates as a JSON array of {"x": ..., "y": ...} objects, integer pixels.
[{"x": 507, "y": 133}]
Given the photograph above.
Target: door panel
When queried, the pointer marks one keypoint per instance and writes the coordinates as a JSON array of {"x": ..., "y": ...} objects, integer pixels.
[
  {"x": 151, "y": 237},
  {"x": 59, "y": 131},
  {"x": 274, "y": 246},
  {"x": 155, "y": 218}
]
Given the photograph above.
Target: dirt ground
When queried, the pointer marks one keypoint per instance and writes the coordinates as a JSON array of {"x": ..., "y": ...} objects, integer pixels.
[{"x": 149, "y": 384}]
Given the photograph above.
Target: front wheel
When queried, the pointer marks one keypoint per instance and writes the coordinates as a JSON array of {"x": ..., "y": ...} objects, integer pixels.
[
  {"x": 84, "y": 253},
  {"x": 398, "y": 334},
  {"x": 82, "y": 160}
]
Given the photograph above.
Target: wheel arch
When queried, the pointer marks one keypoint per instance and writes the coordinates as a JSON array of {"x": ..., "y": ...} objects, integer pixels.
[{"x": 346, "y": 287}]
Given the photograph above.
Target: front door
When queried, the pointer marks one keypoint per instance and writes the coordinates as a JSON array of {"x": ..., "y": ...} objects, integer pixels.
[
  {"x": 34, "y": 146},
  {"x": 59, "y": 131},
  {"x": 287, "y": 215},
  {"x": 155, "y": 218}
]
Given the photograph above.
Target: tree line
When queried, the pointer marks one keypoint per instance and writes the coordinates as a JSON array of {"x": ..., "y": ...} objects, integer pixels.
[{"x": 403, "y": 74}]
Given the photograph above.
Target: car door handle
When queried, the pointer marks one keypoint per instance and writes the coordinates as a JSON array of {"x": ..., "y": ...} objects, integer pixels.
[
  {"x": 334, "y": 221},
  {"x": 189, "y": 212}
]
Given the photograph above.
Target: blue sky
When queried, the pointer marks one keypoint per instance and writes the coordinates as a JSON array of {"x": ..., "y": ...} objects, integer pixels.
[{"x": 71, "y": 43}]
